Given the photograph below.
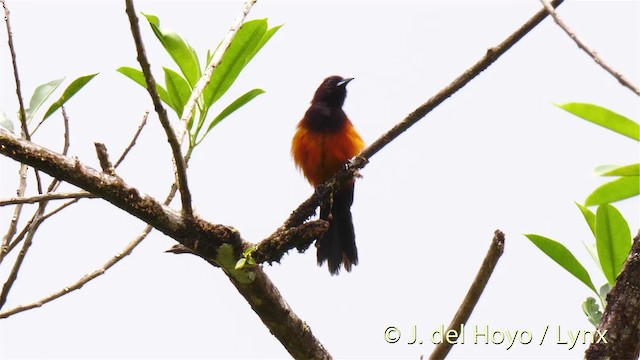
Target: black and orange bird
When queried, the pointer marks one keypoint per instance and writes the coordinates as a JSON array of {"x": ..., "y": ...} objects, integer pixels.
[{"x": 324, "y": 141}]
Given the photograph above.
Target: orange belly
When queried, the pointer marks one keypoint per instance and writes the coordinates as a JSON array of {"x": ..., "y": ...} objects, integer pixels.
[{"x": 321, "y": 154}]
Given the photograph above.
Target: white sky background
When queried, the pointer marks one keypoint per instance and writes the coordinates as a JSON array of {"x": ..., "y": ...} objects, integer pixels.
[{"x": 496, "y": 155}]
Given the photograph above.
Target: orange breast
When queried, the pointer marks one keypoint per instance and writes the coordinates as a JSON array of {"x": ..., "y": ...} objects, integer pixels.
[{"x": 321, "y": 154}]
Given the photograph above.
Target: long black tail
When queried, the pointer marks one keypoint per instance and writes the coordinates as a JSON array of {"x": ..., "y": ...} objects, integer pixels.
[{"x": 338, "y": 244}]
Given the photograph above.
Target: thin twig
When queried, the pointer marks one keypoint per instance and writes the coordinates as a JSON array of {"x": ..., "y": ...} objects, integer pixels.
[
  {"x": 22, "y": 111},
  {"x": 65, "y": 122},
  {"x": 473, "y": 295},
  {"x": 616, "y": 74},
  {"x": 53, "y": 186},
  {"x": 85, "y": 279},
  {"x": 178, "y": 158},
  {"x": 205, "y": 79},
  {"x": 13, "y": 224},
  {"x": 13, "y": 275},
  {"x": 133, "y": 141},
  {"x": 103, "y": 158},
  {"x": 127, "y": 250},
  {"x": 46, "y": 197}
]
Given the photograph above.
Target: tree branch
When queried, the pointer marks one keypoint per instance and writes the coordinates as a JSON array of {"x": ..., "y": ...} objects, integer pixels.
[
  {"x": 133, "y": 140},
  {"x": 308, "y": 207},
  {"x": 31, "y": 232},
  {"x": 85, "y": 279},
  {"x": 620, "y": 324},
  {"x": 13, "y": 224},
  {"x": 621, "y": 78},
  {"x": 193, "y": 232},
  {"x": 46, "y": 197},
  {"x": 473, "y": 295},
  {"x": 21, "y": 111},
  {"x": 103, "y": 159},
  {"x": 178, "y": 159}
]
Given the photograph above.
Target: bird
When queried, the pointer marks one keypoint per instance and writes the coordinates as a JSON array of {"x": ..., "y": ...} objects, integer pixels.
[{"x": 324, "y": 141}]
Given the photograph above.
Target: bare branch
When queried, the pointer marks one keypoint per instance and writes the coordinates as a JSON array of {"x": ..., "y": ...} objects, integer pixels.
[
  {"x": 65, "y": 123},
  {"x": 621, "y": 78},
  {"x": 85, "y": 279},
  {"x": 13, "y": 224},
  {"x": 22, "y": 111},
  {"x": 103, "y": 158},
  {"x": 205, "y": 79},
  {"x": 178, "y": 159},
  {"x": 473, "y": 295},
  {"x": 13, "y": 275},
  {"x": 47, "y": 197},
  {"x": 133, "y": 141}
]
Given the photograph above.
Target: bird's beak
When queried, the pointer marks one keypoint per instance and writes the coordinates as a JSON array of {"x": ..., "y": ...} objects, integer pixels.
[{"x": 344, "y": 82}]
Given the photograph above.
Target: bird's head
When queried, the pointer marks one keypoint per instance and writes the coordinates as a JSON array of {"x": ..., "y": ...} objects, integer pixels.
[{"x": 332, "y": 91}]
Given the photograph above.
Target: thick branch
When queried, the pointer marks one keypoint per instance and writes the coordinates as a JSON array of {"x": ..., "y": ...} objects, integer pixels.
[
  {"x": 178, "y": 159},
  {"x": 273, "y": 248},
  {"x": 194, "y": 233},
  {"x": 620, "y": 324},
  {"x": 473, "y": 295},
  {"x": 282, "y": 322}
]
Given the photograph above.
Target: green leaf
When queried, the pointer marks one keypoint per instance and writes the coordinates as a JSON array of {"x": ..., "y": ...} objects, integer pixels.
[
  {"x": 240, "y": 263},
  {"x": 589, "y": 217},
  {"x": 615, "y": 170},
  {"x": 616, "y": 190},
  {"x": 5, "y": 122},
  {"x": 40, "y": 95},
  {"x": 68, "y": 93},
  {"x": 178, "y": 89},
  {"x": 592, "y": 310},
  {"x": 237, "y": 104},
  {"x": 613, "y": 240},
  {"x": 179, "y": 50},
  {"x": 267, "y": 36},
  {"x": 243, "y": 47},
  {"x": 138, "y": 77},
  {"x": 563, "y": 257},
  {"x": 605, "y": 118}
]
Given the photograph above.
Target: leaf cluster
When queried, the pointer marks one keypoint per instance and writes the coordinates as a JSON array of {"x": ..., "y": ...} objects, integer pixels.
[
  {"x": 178, "y": 85},
  {"x": 608, "y": 226}
]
